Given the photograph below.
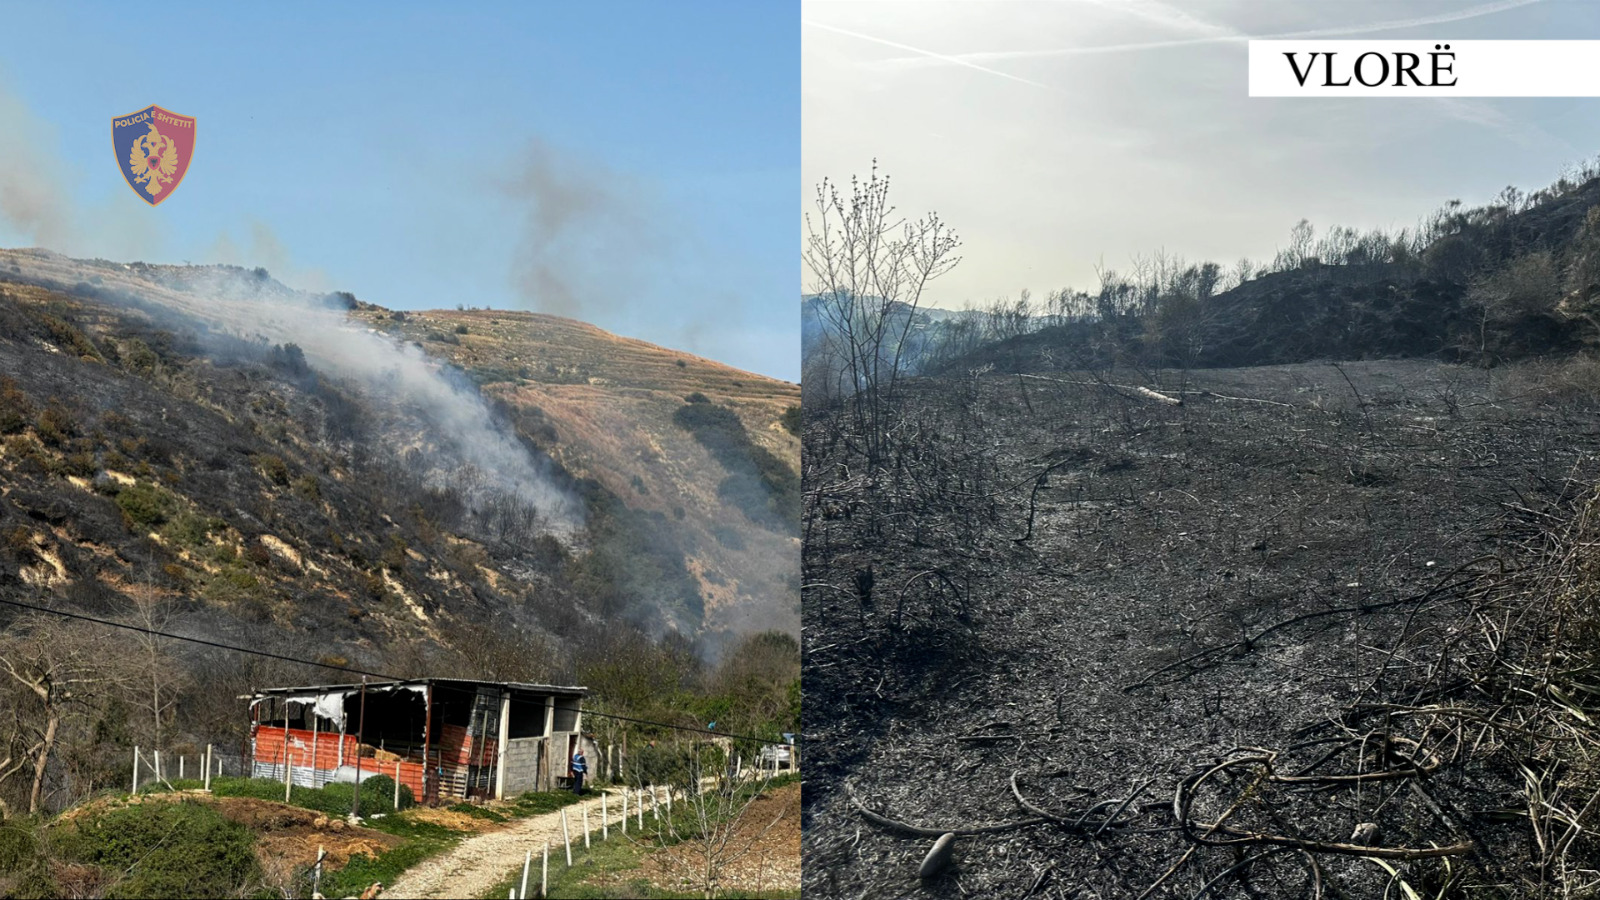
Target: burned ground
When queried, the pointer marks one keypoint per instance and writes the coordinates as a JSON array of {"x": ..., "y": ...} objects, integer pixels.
[{"x": 1065, "y": 593}]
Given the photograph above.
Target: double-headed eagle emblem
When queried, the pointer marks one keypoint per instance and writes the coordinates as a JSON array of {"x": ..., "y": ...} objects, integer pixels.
[{"x": 153, "y": 160}]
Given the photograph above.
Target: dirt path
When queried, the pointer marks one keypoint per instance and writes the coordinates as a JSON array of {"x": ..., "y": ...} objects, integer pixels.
[{"x": 478, "y": 863}]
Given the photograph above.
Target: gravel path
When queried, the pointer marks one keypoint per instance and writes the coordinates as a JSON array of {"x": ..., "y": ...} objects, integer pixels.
[{"x": 478, "y": 863}]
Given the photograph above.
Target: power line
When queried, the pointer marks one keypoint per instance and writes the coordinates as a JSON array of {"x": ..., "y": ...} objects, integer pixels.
[
  {"x": 194, "y": 640},
  {"x": 348, "y": 669}
]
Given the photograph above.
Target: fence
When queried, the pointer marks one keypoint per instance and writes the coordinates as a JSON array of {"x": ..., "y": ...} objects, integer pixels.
[{"x": 153, "y": 766}]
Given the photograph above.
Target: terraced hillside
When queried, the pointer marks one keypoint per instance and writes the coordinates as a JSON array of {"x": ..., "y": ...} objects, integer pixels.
[{"x": 323, "y": 464}]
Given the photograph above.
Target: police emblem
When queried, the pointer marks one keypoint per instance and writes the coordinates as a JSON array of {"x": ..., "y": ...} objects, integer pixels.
[{"x": 153, "y": 148}]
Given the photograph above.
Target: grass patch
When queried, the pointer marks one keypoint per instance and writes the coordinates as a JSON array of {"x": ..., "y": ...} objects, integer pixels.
[
  {"x": 611, "y": 869},
  {"x": 479, "y": 812},
  {"x": 377, "y": 794},
  {"x": 535, "y": 803},
  {"x": 423, "y": 840}
]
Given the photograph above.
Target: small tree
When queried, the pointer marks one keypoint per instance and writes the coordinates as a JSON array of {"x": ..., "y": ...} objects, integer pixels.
[
  {"x": 870, "y": 269},
  {"x": 52, "y": 676},
  {"x": 717, "y": 824}
]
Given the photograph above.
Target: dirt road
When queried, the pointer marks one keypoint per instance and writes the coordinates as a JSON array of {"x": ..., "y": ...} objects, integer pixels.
[{"x": 477, "y": 863}]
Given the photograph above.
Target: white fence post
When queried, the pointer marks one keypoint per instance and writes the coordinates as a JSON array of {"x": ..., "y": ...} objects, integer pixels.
[
  {"x": 566, "y": 836},
  {"x": 135, "y": 769},
  {"x": 544, "y": 872},
  {"x": 527, "y": 861}
]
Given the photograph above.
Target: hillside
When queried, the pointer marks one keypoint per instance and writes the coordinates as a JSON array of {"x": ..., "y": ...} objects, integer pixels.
[
  {"x": 610, "y": 409},
  {"x": 471, "y": 493},
  {"x": 1510, "y": 280}
]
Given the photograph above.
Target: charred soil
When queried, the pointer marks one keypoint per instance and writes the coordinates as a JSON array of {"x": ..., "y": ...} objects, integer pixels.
[{"x": 1109, "y": 623}]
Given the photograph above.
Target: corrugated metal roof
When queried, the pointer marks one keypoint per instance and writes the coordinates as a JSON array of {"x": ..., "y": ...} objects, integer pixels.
[{"x": 567, "y": 690}]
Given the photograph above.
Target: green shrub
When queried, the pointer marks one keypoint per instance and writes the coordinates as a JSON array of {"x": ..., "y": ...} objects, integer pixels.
[
  {"x": 182, "y": 849},
  {"x": 187, "y": 529},
  {"x": 19, "y": 847},
  {"x": 24, "y": 866},
  {"x": 791, "y": 419},
  {"x": 81, "y": 465},
  {"x": 274, "y": 468},
  {"x": 55, "y": 425},
  {"x": 461, "y": 329},
  {"x": 15, "y": 411},
  {"x": 146, "y": 505}
]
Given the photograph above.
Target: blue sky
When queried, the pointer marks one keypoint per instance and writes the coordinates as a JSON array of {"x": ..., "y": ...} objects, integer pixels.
[
  {"x": 1058, "y": 136},
  {"x": 630, "y": 164}
]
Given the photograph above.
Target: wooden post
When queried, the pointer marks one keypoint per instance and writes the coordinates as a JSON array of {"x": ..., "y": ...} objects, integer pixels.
[
  {"x": 135, "y": 769},
  {"x": 527, "y": 861},
  {"x": 427, "y": 738},
  {"x": 180, "y": 767},
  {"x": 361, "y": 730},
  {"x": 624, "y": 809},
  {"x": 655, "y": 805},
  {"x": 397, "y": 785},
  {"x": 208, "y": 767},
  {"x": 502, "y": 742},
  {"x": 638, "y": 807},
  {"x": 585, "y": 827},
  {"x": 605, "y": 817},
  {"x": 314, "y": 759},
  {"x": 566, "y": 836},
  {"x": 544, "y": 872},
  {"x": 669, "y": 801},
  {"x": 158, "y": 765},
  {"x": 316, "y": 877}
]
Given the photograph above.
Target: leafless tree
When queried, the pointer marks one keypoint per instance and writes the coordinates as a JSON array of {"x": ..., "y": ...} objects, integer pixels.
[
  {"x": 717, "y": 823},
  {"x": 159, "y": 675},
  {"x": 55, "y": 674},
  {"x": 869, "y": 269}
]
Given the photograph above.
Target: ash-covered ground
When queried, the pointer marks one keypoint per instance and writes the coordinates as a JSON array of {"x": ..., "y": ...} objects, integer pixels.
[{"x": 1126, "y": 643}]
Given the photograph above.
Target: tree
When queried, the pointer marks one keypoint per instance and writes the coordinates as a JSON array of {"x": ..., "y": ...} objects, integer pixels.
[
  {"x": 870, "y": 269},
  {"x": 715, "y": 826},
  {"x": 1298, "y": 253},
  {"x": 51, "y": 671},
  {"x": 157, "y": 671}
]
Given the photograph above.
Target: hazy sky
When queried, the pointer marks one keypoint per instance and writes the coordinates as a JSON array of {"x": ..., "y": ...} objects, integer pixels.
[
  {"x": 630, "y": 164},
  {"x": 1055, "y": 135}
]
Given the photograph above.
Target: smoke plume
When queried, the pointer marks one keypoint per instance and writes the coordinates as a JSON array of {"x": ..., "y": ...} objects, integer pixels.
[{"x": 589, "y": 237}]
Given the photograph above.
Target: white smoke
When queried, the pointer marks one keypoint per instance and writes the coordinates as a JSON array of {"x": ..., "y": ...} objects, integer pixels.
[{"x": 470, "y": 448}]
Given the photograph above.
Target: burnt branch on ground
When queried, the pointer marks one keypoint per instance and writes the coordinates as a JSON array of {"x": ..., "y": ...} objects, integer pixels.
[{"x": 1311, "y": 632}]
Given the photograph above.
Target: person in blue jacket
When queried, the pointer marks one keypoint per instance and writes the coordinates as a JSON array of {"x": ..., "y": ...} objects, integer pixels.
[{"x": 580, "y": 765}]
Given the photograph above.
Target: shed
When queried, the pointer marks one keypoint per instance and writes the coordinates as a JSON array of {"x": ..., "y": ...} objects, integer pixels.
[{"x": 445, "y": 738}]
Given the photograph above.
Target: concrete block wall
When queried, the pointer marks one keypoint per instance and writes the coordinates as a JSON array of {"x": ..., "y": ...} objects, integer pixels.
[{"x": 522, "y": 765}]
